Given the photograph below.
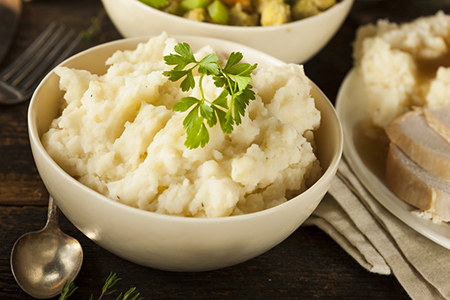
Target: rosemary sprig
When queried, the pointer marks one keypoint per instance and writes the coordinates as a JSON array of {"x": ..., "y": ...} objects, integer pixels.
[
  {"x": 69, "y": 288},
  {"x": 95, "y": 27}
]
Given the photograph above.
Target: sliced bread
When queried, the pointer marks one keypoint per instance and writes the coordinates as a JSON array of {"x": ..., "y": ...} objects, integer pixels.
[
  {"x": 416, "y": 186},
  {"x": 412, "y": 134}
]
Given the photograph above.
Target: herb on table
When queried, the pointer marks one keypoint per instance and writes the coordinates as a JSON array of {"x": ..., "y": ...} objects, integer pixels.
[
  {"x": 69, "y": 288},
  {"x": 235, "y": 80},
  {"x": 95, "y": 26}
]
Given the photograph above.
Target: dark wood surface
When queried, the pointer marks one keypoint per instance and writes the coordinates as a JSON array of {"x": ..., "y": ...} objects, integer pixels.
[{"x": 308, "y": 265}]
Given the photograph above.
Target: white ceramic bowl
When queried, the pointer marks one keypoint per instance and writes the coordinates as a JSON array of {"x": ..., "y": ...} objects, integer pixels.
[
  {"x": 170, "y": 242},
  {"x": 293, "y": 42}
]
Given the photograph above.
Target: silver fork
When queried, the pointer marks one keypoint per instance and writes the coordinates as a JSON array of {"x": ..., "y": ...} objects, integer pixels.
[{"x": 19, "y": 80}]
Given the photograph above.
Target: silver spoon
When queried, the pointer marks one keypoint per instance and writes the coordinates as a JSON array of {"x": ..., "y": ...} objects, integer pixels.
[{"x": 42, "y": 261}]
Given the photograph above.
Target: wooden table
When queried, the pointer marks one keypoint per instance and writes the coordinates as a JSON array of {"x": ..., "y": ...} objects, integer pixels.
[{"x": 309, "y": 264}]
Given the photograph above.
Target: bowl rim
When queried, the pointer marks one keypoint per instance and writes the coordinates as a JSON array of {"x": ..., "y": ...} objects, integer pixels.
[
  {"x": 237, "y": 29},
  {"x": 36, "y": 141}
]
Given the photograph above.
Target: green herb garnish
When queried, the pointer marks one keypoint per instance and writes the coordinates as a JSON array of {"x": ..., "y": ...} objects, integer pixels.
[
  {"x": 69, "y": 288},
  {"x": 234, "y": 78}
]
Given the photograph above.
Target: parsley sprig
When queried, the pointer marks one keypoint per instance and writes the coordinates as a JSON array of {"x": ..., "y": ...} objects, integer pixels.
[{"x": 227, "y": 108}]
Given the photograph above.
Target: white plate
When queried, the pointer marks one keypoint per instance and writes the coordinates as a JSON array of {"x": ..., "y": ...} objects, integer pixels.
[{"x": 351, "y": 108}]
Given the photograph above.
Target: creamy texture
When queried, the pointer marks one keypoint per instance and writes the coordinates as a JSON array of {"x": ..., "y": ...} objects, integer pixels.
[
  {"x": 118, "y": 135},
  {"x": 404, "y": 65}
]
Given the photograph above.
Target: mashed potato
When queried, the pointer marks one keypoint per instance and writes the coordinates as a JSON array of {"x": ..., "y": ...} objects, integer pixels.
[
  {"x": 118, "y": 135},
  {"x": 404, "y": 65}
]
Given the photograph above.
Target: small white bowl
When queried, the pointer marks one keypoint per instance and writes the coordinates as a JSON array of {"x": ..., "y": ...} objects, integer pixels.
[
  {"x": 170, "y": 242},
  {"x": 294, "y": 42}
]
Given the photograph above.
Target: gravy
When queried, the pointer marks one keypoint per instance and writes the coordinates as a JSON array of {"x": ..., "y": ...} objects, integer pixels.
[
  {"x": 372, "y": 145},
  {"x": 427, "y": 68}
]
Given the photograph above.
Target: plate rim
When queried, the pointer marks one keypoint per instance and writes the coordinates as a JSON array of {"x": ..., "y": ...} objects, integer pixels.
[{"x": 351, "y": 87}]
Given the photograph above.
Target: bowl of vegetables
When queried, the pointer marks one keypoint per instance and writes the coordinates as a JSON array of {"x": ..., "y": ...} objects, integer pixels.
[{"x": 293, "y": 31}]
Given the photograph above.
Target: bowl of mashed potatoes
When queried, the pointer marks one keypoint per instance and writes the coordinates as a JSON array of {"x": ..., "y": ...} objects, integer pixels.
[
  {"x": 110, "y": 149},
  {"x": 285, "y": 36}
]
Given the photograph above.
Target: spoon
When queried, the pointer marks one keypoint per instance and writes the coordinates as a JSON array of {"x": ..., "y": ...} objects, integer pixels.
[{"x": 43, "y": 261}]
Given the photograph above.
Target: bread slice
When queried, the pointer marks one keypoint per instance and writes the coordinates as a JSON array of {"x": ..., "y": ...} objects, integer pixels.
[
  {"x": 438, "y": 118},
  {"x": 416, "y": 186},
  {"x": 412, "y": 134}
]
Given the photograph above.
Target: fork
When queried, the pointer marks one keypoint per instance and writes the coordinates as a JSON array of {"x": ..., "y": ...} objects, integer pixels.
[{"x": 19, "y": 80}]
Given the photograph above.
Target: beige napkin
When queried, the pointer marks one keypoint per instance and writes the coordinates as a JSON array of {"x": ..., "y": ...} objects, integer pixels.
[{"x": 379, "y": 241}]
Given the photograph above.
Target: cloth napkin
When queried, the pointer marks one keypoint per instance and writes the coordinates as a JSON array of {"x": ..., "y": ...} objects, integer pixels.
[{"x": 379, "y": 241}]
